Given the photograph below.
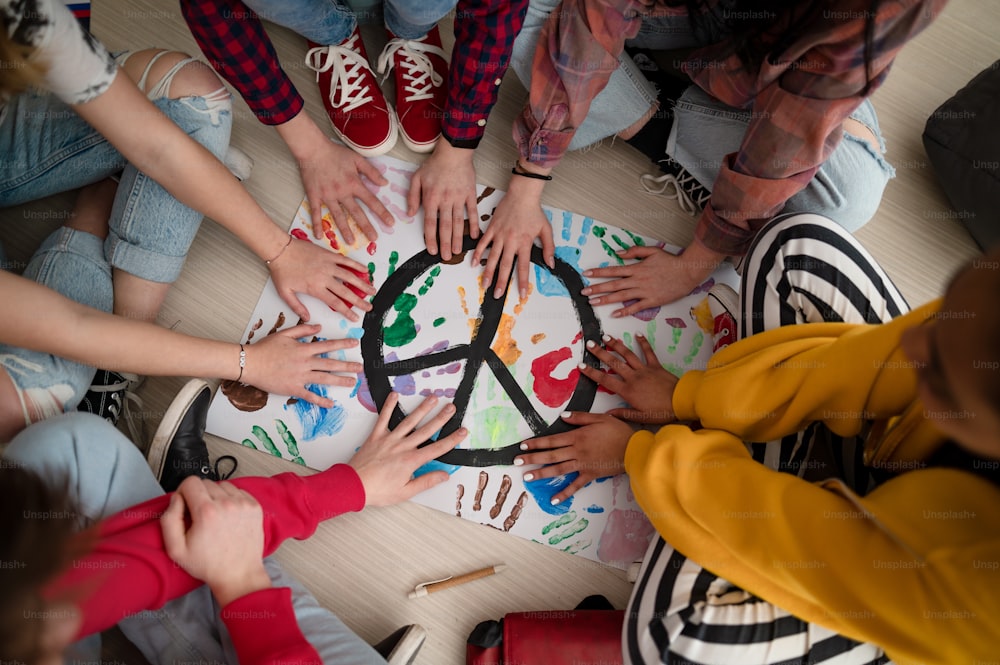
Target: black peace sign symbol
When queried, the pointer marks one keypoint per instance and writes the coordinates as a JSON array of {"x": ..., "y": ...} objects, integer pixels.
[{"x": 476, "y": 354}]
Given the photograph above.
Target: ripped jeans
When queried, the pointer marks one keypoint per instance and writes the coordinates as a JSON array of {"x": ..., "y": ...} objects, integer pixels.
[{"x": 47, "y": 149}]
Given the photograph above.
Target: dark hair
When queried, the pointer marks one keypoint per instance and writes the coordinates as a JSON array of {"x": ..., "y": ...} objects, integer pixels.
[
  {"x": 38, "y": 522},
  {"x": 764, "y": 29}
]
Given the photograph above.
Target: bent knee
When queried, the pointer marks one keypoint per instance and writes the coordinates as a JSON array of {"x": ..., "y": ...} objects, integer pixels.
[{"x": 193, "y": 79}]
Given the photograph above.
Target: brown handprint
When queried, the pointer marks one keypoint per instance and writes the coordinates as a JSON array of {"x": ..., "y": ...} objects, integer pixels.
[
  {"x": 501, "y": 499},
  {"x": 240, "y": 395}
]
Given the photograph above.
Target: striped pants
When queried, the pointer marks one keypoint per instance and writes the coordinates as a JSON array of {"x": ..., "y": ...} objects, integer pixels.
[{"x": 802, "y": 268}]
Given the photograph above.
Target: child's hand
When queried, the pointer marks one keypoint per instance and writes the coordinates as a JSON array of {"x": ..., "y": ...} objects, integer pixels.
[
  {"x": 594, "y": 450},
  {"x": 279, "y": 363},
  {"x": 645, "y": 385},
  {"x": 224, "y": 543},
  {"x": 387, "y": 460}
]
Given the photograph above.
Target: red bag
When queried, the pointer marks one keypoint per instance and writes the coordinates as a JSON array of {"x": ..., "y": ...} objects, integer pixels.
[{"x": 553, "y": 637}]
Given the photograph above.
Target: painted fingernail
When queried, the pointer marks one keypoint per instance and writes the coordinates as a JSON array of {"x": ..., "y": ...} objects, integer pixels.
[
  {"x": 582, "y": 366},
  {"x": 523, "y": 446},
  {"x": 554, "y": 502},
  {"x": 518, "y": 461},
  {"x": 529, "y": 477},
  {"x": 606, "y": 338},
  {"x": 566, "y": 414},
  {"x": 591, "y": 344}
]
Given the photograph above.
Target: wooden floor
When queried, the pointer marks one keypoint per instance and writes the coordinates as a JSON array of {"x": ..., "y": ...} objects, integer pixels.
[{"x": 361, "y": 566}]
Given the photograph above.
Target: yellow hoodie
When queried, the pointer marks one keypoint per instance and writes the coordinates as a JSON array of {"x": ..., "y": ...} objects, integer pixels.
[{"x": 912, "y": 567}]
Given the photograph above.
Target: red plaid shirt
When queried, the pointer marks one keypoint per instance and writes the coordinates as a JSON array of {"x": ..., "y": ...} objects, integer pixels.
[
  {"x": 236, "y": 45},
  {"x": 799, "y": 100}
]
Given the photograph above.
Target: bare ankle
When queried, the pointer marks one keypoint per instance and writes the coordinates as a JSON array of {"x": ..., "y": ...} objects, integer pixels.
[
  {"x": 93, "y": 208},
  {"x": 136, "y": 298},
  {"x": 634, "y": 128}
]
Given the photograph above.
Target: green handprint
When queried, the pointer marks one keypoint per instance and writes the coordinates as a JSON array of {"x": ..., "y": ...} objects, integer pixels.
[{"x": 268, "y": 443}]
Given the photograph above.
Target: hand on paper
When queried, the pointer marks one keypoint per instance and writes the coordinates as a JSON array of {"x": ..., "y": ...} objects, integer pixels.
[
  {"x": 643, "y": 383},
  {"x": 594, "y": 450},
  {"x": 511, "y": 234},
  {"x": 307, "y": 268},
  {"x": 446, "y": 185},
  {"x": 224, "y": 543},
  {"x": 659, "y": 278},
  {"x": 388, "y": 458},
  {"x": 280, "y": 364},
  {"x": 334, "y": 175}
]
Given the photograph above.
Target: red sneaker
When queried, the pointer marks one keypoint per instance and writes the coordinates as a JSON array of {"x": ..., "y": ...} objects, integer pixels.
[
  {"x": 420, "y": 69},
  {"x": 723, "y": 303},
  {"x": 360, "y": 114}
]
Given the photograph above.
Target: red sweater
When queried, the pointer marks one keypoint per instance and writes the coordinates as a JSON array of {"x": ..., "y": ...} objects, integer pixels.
[{"x": 128, "y": 570}]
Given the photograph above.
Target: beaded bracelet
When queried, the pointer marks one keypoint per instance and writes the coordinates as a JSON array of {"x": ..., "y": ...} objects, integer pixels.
[
  {"x": 243, "y": 358},
  {"x": 528, "y": 174},
  {"x": 270, "y": 261}
]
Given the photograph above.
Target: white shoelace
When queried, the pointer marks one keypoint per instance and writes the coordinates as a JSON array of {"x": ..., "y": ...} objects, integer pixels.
[
  {"x": 420, "y": 77},
  {"x": 129, "y": 384},
  {"x": 660, "y": 184},
  {"x": 348, "y": 91}
]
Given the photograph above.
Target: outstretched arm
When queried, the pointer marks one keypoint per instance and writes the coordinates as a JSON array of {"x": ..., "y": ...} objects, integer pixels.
[
  {"x": 130, "y": 562},
  {"x": 446, "y": 183},
  {"x": 42, "y": 320},
  {"x": 234, "y": 41},
  {"x": 868, "y": 568},
  {"x": 157, "y": 147}
]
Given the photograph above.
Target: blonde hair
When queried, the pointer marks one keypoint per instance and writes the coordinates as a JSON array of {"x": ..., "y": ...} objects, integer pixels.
[{"x": 17, "y": 71}]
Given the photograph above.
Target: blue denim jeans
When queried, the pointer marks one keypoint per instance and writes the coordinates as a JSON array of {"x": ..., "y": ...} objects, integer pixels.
[
  {"x": 331, "y": 22},
  {"x": 848, "y": 187},
  {"x": 50, "y": 149},
  {"x": 628, "y": 95},
  {"x": 47, "y": 149},
  {"x": 105, "y": 474},
  {"x": 72, "y": 263}
]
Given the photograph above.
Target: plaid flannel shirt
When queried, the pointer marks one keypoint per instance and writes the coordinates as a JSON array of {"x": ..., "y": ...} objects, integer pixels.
[
  {"x": 236, "y": 45},
  {"x": 798, "y": 98}
]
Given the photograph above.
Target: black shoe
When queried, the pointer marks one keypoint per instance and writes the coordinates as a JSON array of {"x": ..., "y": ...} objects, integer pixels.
[
  {"x": 178, "y": 448},
  {"x": 676, "y": 183},
  {"x": 109, "y": 396},
  {"x": 402, "y": 646}
]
